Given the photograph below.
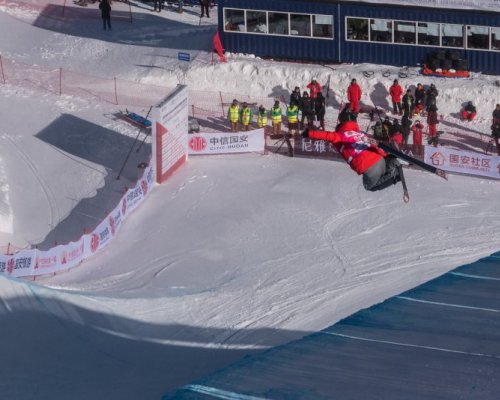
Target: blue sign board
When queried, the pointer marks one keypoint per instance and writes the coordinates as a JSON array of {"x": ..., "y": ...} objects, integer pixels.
[{"x": 183, "y": 56}]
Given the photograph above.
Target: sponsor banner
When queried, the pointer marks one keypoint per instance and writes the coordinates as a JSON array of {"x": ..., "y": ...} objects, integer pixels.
[
  {"x": 20, "y": 264},
  {"x": 170, "y": 130},
  {"x": 485, "y": 5},
  {"x": 62, "y": 257},
  {"x": 463, "y": 162},
  {"x": 223, "y": 143}
]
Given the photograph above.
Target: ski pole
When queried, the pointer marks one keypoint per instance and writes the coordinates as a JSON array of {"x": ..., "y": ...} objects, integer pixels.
[{"x": 132, "y": 147}]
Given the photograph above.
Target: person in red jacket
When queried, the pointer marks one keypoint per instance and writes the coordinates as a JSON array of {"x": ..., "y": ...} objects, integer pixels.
[
  {"x": 379, "y": 169},
  {"x": 469, "y": 112},
  {"x": 354, "y": 96},
  {"x": 314, "y": 88},
  {"x": 417, "y": 129},
  {"x": 396, "y": 91}
]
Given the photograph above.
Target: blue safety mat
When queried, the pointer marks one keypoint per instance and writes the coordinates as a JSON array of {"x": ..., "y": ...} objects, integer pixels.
[{"x": 440, "y": 340}]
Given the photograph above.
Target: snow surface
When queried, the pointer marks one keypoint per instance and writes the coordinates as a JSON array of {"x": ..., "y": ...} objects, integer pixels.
[{"x": 232, "y": 255}]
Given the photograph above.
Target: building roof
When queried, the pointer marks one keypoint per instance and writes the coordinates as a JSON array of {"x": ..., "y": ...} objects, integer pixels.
[{"x": 482, "y": 5}]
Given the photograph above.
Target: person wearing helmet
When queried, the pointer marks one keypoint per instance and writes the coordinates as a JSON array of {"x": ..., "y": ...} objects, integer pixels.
[
  {"x": 262, "y": 117},
  {"x": 276, "y": 118},
  {"x": 379, "y": 169}
]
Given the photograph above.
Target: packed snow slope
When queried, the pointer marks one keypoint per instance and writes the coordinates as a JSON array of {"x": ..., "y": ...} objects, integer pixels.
[{"x": 233, "y": 254}]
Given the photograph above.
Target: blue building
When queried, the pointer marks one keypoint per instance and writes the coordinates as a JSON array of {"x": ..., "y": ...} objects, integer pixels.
[{"x": 335, "y": 31}]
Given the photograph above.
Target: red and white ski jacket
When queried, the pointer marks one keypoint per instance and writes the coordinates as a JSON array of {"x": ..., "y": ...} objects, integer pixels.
[{"x": 352, "y": 145}]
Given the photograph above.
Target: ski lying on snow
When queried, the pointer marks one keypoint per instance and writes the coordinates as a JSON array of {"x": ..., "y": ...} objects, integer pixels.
[{"x": 413, "y": 160}]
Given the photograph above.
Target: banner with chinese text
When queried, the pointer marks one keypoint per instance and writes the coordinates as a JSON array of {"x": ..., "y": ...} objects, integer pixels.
[
  {"x": 223, "y": 143},
  {"x": 464, "y": 162}
]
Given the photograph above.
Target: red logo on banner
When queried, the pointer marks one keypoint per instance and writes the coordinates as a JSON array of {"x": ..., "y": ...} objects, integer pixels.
[
  {"x": 124, "y": 206},
  {"x": 94, "y": 243},
  {"x": 112, "y": 225},
  {"x": 63, "y": 257},
  {"x": 10, "y": 266},
  {"x": 144, "y": 187},
  {"x": 438, "y": 159},
  {"x": 198, "y": 143}
]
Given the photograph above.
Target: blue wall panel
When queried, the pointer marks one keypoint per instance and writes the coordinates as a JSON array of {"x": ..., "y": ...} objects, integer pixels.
[{"x": 340, "y": 50}]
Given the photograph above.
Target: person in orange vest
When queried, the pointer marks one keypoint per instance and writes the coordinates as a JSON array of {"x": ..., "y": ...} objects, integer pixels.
[
  {"x": 354, "y": 96},
  {"x": 233, "y": 115},
  {"x": 379, "y": 169},
  {"x": 396, "y": 91}
]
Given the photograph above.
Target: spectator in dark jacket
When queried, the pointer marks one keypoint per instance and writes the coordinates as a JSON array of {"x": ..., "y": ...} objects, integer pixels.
[
  {"x": 408, "y": 104},
  {"x": 379, "y": 133},
  {"x": 307, "y": 110},
  {"x": 396, "y": 133},
  {"x": 432, "y": 122},
  {"x": 296, "y": 97},
  {"x": 496, "y": 114},
  {"x": 320, "y": 109},
  {"x": 495, "y": 134},
  {"x": 105, "y": 8},
  {"x": 387, "y": 126},
  {"x": 406, "y": 127},
  {"x": 419, "y": 98},
  {"x": 432, "y": 94}
]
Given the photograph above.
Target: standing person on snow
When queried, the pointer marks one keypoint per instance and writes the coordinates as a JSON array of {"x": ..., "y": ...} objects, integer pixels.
[
  {"x": 406, "y": 128},
  {"x": 431, "y": 97},
  {"x": 307, "y": 109},
  {"x": 314, "y": 88},
  {"x": 276, "y": 118},
  {"x": 320, "y": 109},
  {"x": 396, "y": 91},
  {"x": 262, "y": 117},
  {"x": 205, "y": 8},
  {"x": 354, "y": 96},
  {"x": 417, "y": 129},
  {"x": 432, "y": 122},
  {"x": 105, "y": 7},
  {"x": 419, "y": 98},
  {"x": 396, "y": 133},
  {"x": 495, "y": 134},
  {"x": 292, "y": 116},
  {"x": 233, "y": 115},
  {"x": 246, "y": 117},
  {"x": 379, "y": 169},
  {"x": 296, "y": 97},
  {"x": 408, "y": 104},
  {"x": 496, "y": 114}
]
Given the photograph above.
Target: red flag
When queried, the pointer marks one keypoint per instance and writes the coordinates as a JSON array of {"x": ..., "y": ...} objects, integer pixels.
[{"x": 218, "y": 47}]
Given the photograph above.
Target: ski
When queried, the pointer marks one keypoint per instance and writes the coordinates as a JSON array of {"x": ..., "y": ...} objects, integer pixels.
[
  {"x": 413, "y": 160},
  {"x": 406, "y": 195}
]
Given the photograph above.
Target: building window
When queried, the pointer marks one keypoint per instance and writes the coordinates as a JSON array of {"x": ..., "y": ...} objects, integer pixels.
[
  {"x": 256, "y": 21},
  {"x": 428, "y": 34},
  {"x": 381, "y": 30},
  {"x": 405, "y": 32},
  {"x": 478, "y": 37},
  {"x": 322, "y": 26},
  {"x": 278, "y": 23},
  {"x": 300, "y": 25},
  {"x": 495, "y": 38},
  {"x": 234, "y": 20},
  {"x": 357, "y": 29},
  {"x": 452, "y": 35}
]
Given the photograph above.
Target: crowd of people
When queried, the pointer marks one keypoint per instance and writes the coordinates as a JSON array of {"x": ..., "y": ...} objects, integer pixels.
[{"x": 305, "y": 107}]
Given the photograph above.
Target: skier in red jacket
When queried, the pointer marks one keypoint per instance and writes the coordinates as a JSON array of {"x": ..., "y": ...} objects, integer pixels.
[
  {"x": 354, "y": 96},
  {"x": 379, "y": 169}
]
